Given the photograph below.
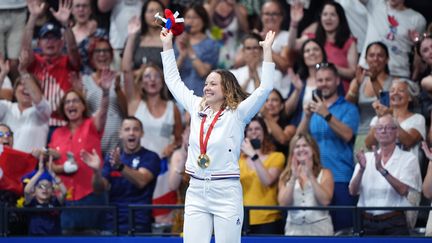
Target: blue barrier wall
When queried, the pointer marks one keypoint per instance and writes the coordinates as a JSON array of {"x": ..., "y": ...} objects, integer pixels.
[{"x": 179, "y": 240}]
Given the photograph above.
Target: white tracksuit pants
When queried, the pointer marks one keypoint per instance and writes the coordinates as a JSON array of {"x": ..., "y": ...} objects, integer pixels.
[{"x": 217, "y": 204}]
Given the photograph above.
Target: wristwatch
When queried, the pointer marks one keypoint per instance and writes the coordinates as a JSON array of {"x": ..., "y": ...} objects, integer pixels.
[
  {"x": 384, "y": 172},
  {"x": 255, "y": 157},
  {"x": 328, "y": 117},
  {"x": 120, "y": 167}
]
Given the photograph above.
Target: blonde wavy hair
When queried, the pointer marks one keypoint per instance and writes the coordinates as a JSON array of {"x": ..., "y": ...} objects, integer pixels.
[
  {"x": 231, "y": 90},
  {"x": 316, "y": 167}
]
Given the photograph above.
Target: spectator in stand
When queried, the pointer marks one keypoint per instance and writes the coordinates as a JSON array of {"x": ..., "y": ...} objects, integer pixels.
[
  {"x": 334, "y": 34},
  {"x": 392, "y": 23},
  {"x": 385, "y": 177},
  {"x": 368, "y": 86},
  {"x": 51, "y": 67},
  {"x": 80, "y": 133},
  {"x": 178, "y": 180},
  {"x": 129, "y": 173},
  {"x": 411, "y": 126},
  {"x": 84, "y": 29},
  {"x": 427, "y": 185},
  {"x": 101, "y": 57},
  {"x": 146, "y": 43},
  {"x": 229, "y": 22},
  {"x": 44, "y": 190},
  {"x": 304, "y": 83},
  {"x": 424, "y": 49},
  {"x": 148, "y": 100},
  {"x": 196, "y": 53},
  {"x": 249, "y": 75},
  {"x": 280, "y": 131},
  {"x": 13, "y": 15},
  {"x": 333, "y": 122},
  {"x": 260, "y": 167},
  {"x": 304, "y": 182},
  {"x": 272, "y": 15},
  {"x": 121, "y": 12},
  {"x": 29, "y": 115}
]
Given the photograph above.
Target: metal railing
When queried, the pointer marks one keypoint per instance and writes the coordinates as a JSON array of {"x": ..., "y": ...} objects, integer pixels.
[{"x": 132, "y": 208}]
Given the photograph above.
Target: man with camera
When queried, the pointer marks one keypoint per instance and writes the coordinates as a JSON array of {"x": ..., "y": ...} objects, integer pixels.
[{"x": 333, "y": 122}]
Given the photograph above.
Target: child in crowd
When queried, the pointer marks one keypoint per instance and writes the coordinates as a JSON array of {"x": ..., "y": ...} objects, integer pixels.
[{"x": 44, "y": 190}]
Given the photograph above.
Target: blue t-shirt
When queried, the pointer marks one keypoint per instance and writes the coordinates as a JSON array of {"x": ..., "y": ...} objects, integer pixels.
[
  {"x": 123, "y": 192},
  {"x": 44, "y": 222},
  {"x": 336, "y": 154}
]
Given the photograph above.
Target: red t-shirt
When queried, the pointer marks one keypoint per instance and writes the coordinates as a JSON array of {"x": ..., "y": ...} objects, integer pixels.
[
  {"x": 86, "y": 137},
  {"x": 54, "y": 78}
]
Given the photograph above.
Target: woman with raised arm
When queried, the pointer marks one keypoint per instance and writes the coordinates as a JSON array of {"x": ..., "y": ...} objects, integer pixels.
[{"x": 218, "y": 119}]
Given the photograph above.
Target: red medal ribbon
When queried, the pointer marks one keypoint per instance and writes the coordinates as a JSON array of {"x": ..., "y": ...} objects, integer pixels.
[{"x": 203, "y": 143}]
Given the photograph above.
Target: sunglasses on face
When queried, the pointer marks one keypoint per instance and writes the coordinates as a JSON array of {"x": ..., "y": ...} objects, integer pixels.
[
  {"x": 6, "y": 134},
  {"x": 323, "y": 65}
]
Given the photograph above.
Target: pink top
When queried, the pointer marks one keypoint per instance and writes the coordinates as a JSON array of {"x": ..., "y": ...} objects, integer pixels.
[{"x": 87, "y": 137}]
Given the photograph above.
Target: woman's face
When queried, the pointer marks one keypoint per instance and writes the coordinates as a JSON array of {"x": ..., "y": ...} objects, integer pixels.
[
  {"x": 274, "y": 104},
  {"x": 193, "y": 20},
  {"x": 271, "y": 16},
  {"x": 73, "y": 107},
  {"x": 213, "y": 92},
  {"x": 426, "y": 51},
  {"x": 252, "y": 50},
  {"x": 399, "y": 95},
  {"x": 312, "y": 54},
  {"x": 22, "y": 95},
  {"x": 152, "y": 8},
  {"x": 329, "y": 18},
  {"x": 102, "y": 56},
  {"x": 376, "y": 59},
  {"x": 225, "y": 7},
  {"x": 302, "y": 151},
  {"x": 255, "y": 131},
  {"x": 151, "y": 82},
  {"x": 81, "y": 10}
]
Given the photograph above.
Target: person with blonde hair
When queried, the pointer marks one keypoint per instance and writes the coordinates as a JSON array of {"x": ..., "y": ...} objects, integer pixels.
[
  {"x": 304, "y": 182},
  {"x": 218, "y": 119}
]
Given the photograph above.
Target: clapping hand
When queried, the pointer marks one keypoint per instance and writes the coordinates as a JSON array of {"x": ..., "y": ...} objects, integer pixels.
[
  {"x": 361, "y": 158},
  {"x": 378, "y": 164},
  {"x": 427, "y": 150}
]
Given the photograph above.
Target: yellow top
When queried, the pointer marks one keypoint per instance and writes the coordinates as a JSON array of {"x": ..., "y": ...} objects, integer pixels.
[{"x": 256, "y": 194}]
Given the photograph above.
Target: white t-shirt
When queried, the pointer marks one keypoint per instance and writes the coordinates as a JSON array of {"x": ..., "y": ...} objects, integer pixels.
[
  {"x": 242, "y": 74},
  {"x": 394, "y": 33},
  {"x": 280, "y": 41},
  {"x": 120, "y": 15},
  {"x": 415, "y": 121},
  {"x": 30, "y": 127},
  {"x": 376, "y": 191}
]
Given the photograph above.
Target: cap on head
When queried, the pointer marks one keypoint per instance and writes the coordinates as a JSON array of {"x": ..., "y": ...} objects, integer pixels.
[{"x": 50, "y": 28}]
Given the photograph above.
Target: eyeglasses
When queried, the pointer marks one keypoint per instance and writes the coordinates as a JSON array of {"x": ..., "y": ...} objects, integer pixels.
[
  {"x": 6, "y": 134},
  {"x": 102, "y": 50},
  {"x": 385, "y": 128},
  {"x": 252, "y": 48},
  {"x": 44, "y": 187},
  {"x": 72, "y": 101},
  {"x": 150, "y": 77},
  {"x": 272, "y": 15}
]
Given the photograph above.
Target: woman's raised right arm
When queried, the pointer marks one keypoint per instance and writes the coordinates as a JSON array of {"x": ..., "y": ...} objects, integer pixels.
[{"x": 181, "y": 93}]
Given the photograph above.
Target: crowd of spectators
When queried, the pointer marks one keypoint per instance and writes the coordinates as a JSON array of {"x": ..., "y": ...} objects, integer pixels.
[{"x": 82, "y": 90}]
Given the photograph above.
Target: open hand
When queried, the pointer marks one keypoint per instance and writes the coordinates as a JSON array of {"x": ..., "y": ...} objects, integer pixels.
[
  {"x": 134, "y": 25},
  {"x": 91, "y": 159},
  {"x": 64, "y": 11}
]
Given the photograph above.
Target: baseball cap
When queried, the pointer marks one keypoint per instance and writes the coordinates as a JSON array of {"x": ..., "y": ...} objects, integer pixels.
[{"x": 50, "y": 28}]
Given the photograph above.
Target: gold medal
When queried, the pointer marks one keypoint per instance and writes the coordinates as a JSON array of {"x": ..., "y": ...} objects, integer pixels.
[{"x": 203, "y": 161}]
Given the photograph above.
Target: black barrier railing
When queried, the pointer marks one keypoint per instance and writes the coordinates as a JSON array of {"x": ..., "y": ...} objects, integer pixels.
[
  {"x": 132, "y": 208},
  {"x": 6, "y": 211}
]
